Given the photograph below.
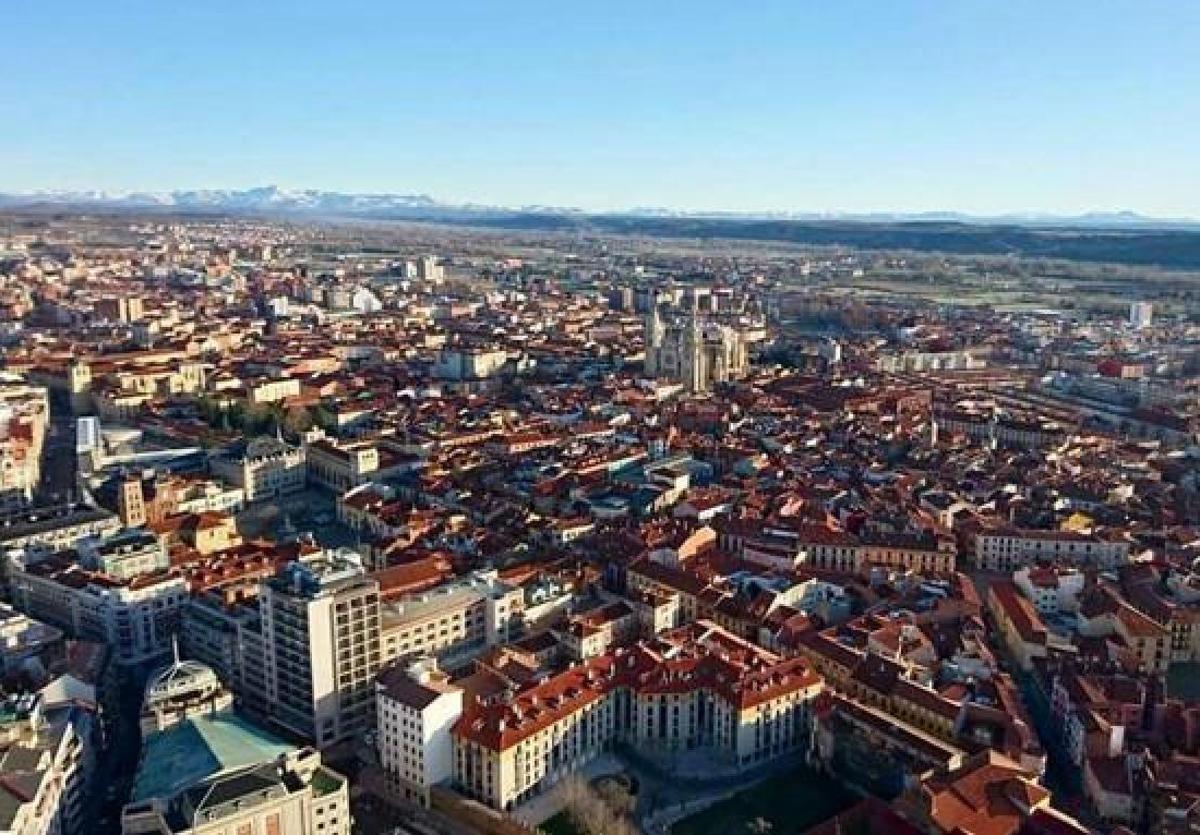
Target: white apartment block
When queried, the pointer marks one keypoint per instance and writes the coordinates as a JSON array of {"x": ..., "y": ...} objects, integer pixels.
[
  {"x": 1007, "y": 549},
  {"x": 417, "y": 708},
  {"x": 465, "y": 614},
  {"x": 45, "y": 762}
]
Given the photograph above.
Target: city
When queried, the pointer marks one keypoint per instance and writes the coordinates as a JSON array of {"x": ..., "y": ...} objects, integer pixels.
[
  {"x": 416, "y": 529},
  {"x": 528, "y": 418}
]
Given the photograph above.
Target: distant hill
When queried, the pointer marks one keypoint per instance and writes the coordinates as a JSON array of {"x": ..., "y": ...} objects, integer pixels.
[{"x": 1118, "y": 237}]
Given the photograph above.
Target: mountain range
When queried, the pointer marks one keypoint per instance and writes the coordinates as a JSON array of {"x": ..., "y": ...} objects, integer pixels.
[
  {"x": 272, "y": 200},
  {"x": 1113, "y": 237}
]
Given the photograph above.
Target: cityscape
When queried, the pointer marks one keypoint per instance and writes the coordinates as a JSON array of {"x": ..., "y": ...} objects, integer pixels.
[{"x": 657, "y": 419}]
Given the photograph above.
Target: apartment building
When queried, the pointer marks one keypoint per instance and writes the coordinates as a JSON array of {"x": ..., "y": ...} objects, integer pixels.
[
  {"x": 340, "y": 468},
  {"x": 136, "y": 617},
  {"x": 417, "y": 708},
  {"x": 321, "y": 633},
  {"x": 131, "y": 553},
  {"x": 719, "y": 692},
  {"x": 1008, "y": 549},
  {"x": 458, "y": 617},
  {"x": 55, "y": 528},
  {"x": 24, "y": 416},
  {"x": 46, "y": 757},
  {"x": 1021, "y": 627}
]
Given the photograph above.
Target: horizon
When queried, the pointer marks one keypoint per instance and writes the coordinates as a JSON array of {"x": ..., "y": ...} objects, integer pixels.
[
  {"x": 116, "y": 197},
  {"x": 909, "y": 108}
]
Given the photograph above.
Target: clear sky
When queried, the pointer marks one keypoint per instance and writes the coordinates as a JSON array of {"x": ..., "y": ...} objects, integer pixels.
[{"x": 850, "y": 105}]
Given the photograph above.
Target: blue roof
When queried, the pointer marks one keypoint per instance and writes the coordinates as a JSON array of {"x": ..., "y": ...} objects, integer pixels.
[{"x": 201, "y": 747}]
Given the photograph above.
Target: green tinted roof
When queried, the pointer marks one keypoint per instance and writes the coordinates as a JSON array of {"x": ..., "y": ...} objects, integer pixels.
[{"x": 199, "y": 748}]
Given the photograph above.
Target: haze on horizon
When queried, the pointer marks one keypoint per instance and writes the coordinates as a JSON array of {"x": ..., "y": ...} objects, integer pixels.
[{"x": 985, "y": 108}]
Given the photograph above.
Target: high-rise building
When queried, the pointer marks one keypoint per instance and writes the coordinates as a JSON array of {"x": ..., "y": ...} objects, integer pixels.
[
  {"x": 1141, "y": 315},
  {"x": 320, "y": 625}
]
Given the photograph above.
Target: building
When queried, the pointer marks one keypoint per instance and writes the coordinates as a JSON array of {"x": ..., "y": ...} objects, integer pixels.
[
  {"x": 340, "y": 468},
  {"x": 1007, "y": 549},
  {"x": 417, "y": 708},
  {"x": 475, "y": 363},
  {"x": 264, "y": 468},
  {"x": 220, "y": 775},
  {"x": 124, "y": 309},
  {"x": 179, "y": 690},
  {"x": 1141, "y": 315},
  {"x": 693, "y": 353},
  {"x": 464, "y": 615},
  {"x": 1020, "y": 626},
  {"x": 130, "y": 553},
  {"x": 24, "y": 416},
  {"x": 46, "y": 758},
  {"x": 55, "y": 528},
  {"x": 137, "y": 617},
  {"x": 321, "y": 636},
  {"x": 698, "y": 687},
  {"x": 987, "y": 793}
]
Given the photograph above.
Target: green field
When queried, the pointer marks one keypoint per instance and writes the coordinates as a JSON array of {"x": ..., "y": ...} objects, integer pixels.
[{"x": 791, "y": 803}]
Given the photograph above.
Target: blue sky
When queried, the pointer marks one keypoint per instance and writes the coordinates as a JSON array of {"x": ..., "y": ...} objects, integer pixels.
[{"x": 973, "y": 105}]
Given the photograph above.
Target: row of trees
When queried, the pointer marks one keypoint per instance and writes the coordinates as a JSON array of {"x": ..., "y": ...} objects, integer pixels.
[{"x": 263, "y": 418}]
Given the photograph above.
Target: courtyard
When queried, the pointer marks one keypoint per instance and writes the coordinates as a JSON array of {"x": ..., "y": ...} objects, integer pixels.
[{"x": 788, "y": 804}]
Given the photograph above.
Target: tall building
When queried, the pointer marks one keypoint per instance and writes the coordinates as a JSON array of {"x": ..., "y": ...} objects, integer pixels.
[
  {"x": 320, "y": 626},
  {"x": 692, "y": 352},
  {"x": 1141, "y": 315}
]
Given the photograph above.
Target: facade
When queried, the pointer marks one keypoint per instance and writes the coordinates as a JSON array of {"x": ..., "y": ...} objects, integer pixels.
[
  {"x": 321, "y": 635},
  {"x": 24, "y": 416},
  {"x": 46, "y": 760},
  {"x": 340, "y": 468},
  {"x": 136, "y": 618},
  {"x": 743, "y": 704},
  {"x": 55, "y": 528},
  {"x": 131, "y": 553},
  {"x": 463, "y": 615},
  {"x": 263, "y": 468},
  {"x": 1018, "y": 622},
  {"x": 1007, "y": 549},
  {"x": 696, "y": 354},
  {"x": 417, "y": 708}
]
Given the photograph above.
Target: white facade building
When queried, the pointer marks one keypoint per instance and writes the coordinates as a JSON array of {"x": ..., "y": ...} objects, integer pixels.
[{"x": 417, "y": 708}]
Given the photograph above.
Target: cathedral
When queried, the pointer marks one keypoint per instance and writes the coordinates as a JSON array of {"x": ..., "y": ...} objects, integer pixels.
[{"x": 694, "y": 353}]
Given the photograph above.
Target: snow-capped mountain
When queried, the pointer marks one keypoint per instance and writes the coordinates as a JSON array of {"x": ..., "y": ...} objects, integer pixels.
[
  {"x": 272, "y": 200},
  {"x": 267, "y": 199}
]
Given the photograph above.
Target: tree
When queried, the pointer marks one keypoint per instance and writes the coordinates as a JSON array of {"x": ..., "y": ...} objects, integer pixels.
[{"x": 760, "y": 826}]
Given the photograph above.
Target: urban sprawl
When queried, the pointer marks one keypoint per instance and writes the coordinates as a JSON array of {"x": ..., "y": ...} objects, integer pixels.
[{"x": 322, "y": 528}]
